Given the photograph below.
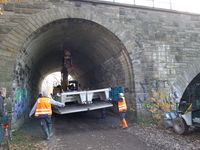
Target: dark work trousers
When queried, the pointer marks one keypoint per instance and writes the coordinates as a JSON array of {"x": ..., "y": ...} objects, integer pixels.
[
  {"x": 103, "y": 113},
  {"x": 46, "y": 124},
  {"x": 122, "y": 115}
]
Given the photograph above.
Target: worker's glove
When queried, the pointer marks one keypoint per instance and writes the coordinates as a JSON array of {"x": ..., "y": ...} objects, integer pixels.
[{"x": 63, "y": 105}]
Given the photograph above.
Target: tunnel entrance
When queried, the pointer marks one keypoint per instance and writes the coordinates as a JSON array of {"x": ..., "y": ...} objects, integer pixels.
[
  {"x": 191, "y": 95},
  {"x": 190, "y": 101},
  {"x": 50, "y": 81},
  {"x": 99, "y": 60}
]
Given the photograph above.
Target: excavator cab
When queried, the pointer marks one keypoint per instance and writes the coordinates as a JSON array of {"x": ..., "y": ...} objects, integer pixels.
[{"x": 73, "y": 85}]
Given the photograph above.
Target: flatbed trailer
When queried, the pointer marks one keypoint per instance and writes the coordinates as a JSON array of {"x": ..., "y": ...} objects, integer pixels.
[{"x": 88, "y": 100}]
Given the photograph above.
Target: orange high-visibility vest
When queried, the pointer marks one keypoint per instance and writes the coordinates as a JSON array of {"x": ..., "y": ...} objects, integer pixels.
[
  {"x": 122, "y": 105},
  {"x": 43, "y": 107}
]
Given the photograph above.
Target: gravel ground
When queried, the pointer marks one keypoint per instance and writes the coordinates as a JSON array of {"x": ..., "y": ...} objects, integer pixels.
[
  {"x": 88, "y": 132},
  {"x": 161, "y": 138}
]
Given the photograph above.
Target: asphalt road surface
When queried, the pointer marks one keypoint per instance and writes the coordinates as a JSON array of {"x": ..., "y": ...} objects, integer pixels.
[{"x": 87, "y": 131}]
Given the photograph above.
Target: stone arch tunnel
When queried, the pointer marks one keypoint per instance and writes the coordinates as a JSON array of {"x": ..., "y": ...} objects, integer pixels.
[
  {"x": 144, "y": 49},
  {"x": 99, "y": 59}
]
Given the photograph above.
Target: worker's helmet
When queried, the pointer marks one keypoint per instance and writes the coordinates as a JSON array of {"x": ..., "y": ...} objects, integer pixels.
[
  {"x": 121, "y": 94},
  {"x": 44, "y": 93}
]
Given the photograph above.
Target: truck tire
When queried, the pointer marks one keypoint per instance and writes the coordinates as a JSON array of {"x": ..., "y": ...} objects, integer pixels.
[{"x": 180, "y": 126}]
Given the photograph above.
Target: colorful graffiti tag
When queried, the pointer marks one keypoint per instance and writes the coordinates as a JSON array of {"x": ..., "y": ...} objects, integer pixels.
[
  {"x": 157, "y": 98},
  {"x": 20, "y": 105}
]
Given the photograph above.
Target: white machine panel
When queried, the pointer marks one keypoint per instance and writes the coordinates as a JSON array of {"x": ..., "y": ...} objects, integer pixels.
[{"x": 85, "y": 97}]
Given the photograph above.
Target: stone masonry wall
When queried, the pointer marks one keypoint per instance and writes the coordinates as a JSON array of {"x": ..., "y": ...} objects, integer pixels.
[{"x": 162, "y": 45}]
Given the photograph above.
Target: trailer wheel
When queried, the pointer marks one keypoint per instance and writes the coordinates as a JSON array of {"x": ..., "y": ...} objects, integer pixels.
[{"x": 180, "y": 126}]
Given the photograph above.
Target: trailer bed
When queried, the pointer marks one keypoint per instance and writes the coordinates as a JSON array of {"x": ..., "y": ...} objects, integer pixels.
[{"x": 73, "y": 108}]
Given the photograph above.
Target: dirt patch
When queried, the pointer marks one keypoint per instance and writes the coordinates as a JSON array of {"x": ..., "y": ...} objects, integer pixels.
[
  {"x": 29, "y": 137},
  {"x": 23, "y": 141}
]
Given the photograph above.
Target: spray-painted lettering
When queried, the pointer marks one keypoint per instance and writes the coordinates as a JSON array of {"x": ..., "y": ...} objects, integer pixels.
[{"x": 20, "y": 104}]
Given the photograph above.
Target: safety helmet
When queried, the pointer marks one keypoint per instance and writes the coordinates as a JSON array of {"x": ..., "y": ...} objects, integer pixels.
[
  {"x": 45, "y": 93},
  {"x": 121, "y": 94}
]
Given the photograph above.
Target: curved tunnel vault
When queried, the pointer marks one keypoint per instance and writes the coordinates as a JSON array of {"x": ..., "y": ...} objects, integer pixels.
[
  {"x": 99, "y": 58},
  {"x": 191, "y": 95}
]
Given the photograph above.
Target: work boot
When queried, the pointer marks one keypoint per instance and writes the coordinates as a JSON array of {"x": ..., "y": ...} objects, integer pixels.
[{"x": 48, "y": 137}]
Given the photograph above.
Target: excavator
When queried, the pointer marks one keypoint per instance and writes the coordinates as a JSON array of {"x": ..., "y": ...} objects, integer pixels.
[{"x": 75, "y": 99}]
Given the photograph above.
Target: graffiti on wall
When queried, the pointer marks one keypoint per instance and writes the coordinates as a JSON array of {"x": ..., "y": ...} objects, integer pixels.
[
  {"x": 156, "y": 97},
  {"x": 20, "y": 104}
]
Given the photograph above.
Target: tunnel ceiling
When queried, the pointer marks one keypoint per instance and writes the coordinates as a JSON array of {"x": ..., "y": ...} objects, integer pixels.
[{"x": 89, "y": 43}]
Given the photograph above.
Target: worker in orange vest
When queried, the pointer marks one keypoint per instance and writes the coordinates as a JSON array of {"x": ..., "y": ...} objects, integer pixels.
[
  {"x": 122, "y": 108},
  {"x": 42, "y": 110}
]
